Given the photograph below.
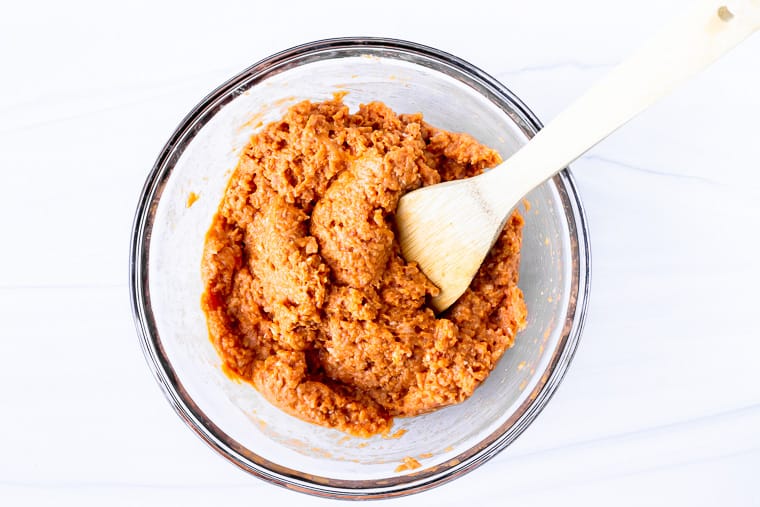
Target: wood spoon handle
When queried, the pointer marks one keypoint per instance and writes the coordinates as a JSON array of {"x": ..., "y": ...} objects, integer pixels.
[{"x": 681, "y": 49}]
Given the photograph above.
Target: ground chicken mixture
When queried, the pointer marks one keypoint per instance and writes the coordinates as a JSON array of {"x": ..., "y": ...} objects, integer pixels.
[{"x": 306, "y": 294}]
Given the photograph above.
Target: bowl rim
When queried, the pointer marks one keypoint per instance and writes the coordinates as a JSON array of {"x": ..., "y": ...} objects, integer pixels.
[{"x": 211, "y": 434}]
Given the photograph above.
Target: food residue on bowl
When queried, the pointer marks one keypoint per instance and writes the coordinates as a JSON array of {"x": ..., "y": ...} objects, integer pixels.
[
  {"x": 408, "y": 463},
  {"x": 307, "y": 296},
  {"x": 191, "y": 198},
  {"x": 397, "y": 434}
]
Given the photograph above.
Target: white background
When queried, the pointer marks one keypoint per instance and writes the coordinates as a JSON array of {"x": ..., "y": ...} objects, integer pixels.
[{"x": 662, "y": 403}]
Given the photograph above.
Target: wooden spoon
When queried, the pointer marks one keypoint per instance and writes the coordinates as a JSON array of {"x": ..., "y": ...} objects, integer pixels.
[{"x": 449, "y": 228}]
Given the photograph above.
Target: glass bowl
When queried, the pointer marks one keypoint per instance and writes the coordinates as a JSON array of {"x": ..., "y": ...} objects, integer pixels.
[{"x": 165, "y": 281}]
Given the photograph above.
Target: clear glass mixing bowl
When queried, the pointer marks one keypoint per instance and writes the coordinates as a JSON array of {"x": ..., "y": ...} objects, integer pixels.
[{"x": 165, "y": 282}]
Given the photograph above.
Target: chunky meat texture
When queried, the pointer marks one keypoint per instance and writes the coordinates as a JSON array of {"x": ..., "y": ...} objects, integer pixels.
[{"x": 306, "y": 294}]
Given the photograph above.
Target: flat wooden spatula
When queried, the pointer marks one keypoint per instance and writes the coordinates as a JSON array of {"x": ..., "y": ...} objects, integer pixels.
[{"x": 449, "y": 228}]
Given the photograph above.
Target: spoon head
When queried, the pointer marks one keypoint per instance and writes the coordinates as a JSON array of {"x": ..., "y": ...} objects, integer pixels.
[{"x": 447, "y": 229}]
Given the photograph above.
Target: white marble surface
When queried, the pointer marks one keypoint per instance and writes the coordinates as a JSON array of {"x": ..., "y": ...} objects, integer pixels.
[{"x": 662, "y": 403}]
